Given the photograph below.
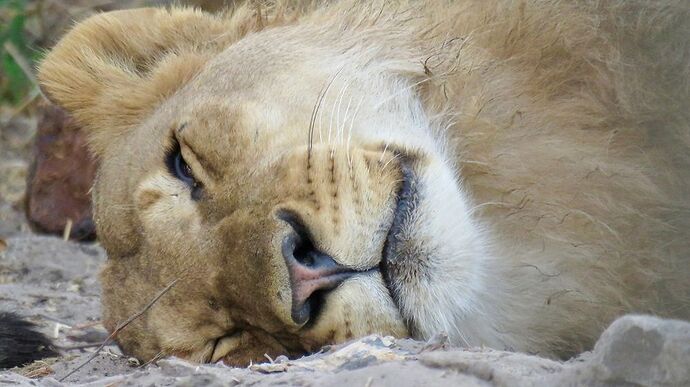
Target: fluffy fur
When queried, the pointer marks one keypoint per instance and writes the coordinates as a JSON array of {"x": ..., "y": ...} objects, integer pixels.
[
  {"x": 548, "y": 143},
  {"x": 20, "y": 343}
]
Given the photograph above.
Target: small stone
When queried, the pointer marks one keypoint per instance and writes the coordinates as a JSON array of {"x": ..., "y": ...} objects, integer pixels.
[
  {"x": 388, "y": 341},
  {"x": 268, "y": 368}
]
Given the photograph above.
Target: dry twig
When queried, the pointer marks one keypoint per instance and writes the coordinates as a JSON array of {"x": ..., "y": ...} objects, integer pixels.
[{"x": 121, "y": 327}]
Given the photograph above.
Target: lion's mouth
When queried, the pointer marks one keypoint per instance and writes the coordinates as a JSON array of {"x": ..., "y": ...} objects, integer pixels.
[{"x": 393, "y": 256}]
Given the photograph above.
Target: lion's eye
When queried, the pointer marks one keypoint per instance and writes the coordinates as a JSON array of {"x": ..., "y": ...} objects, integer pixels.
[
  {"x": 182, "y": 170},
  {"x": 179, "y": 168}
]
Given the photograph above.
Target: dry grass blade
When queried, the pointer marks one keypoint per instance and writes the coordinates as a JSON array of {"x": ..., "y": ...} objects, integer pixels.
[
  {"x": 68, "y": 230},
  {"x": 121, "y": 327}
]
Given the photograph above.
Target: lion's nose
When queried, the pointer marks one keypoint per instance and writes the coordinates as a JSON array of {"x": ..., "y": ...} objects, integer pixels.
[{"x": 312, "y": 273}]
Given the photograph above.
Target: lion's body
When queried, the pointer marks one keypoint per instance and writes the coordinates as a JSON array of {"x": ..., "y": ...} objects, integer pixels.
[
  {"x": 572, "y": 136},
  {"x": 548, "y": 142}
]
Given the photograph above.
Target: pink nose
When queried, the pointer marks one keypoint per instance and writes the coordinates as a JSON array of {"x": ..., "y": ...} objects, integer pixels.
[{"x": 312, "y": 273}]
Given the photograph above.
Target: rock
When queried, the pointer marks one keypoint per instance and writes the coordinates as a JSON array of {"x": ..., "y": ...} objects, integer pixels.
[
  {"x": 60, "y": 178},
  {"x": 641, "y": 351}
]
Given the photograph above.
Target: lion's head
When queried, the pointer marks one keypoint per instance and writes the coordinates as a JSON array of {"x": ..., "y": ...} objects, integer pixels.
[{"x": 288, "y": 177}]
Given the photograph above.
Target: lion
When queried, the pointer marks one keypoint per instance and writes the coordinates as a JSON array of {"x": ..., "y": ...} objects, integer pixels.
[{"x": 283, "y": 176}]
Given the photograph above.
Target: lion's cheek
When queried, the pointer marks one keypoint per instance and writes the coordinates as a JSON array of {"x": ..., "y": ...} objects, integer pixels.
[
  {"x": 123, "y": 292},
  {"x": 166, "y": 211}
]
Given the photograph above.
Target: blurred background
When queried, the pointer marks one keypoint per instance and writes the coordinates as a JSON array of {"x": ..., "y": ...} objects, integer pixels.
[{"x": 38, "y": 144}]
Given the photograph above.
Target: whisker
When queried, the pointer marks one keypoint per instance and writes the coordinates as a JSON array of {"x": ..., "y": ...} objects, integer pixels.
[
  {"x": 349, "y": 137},
  {"x": 352, "y": 123},
  {"x": 319, "y": 113},
  {"x": 316, "y": 113},
  {"x": 385, "y": 148},
  {"x": 312, "y": 120},
  {"x": 395, "y": 157},
  {"x": 400, "y": 91},
  {"x": 338, "y": 101}
]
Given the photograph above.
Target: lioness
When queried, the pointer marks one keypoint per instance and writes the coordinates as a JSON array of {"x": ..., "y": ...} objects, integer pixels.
[{"x": 516, "y": 174}]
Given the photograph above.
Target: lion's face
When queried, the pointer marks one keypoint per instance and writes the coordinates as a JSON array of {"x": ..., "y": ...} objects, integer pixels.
[{"x": 296, "y": 193}]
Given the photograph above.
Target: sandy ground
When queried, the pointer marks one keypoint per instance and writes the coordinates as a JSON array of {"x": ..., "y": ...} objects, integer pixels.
[{"x": 54, "y": 283}]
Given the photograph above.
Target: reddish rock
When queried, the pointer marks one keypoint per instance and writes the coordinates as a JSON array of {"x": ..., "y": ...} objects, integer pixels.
[{"x": 61, "y": 176}]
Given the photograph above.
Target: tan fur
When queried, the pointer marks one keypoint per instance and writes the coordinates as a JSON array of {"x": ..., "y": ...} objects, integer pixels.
[{"x": 549, "y": 140}]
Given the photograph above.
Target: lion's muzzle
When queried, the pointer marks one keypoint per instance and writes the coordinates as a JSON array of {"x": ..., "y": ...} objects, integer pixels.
[{"x": 312, "y": 273}]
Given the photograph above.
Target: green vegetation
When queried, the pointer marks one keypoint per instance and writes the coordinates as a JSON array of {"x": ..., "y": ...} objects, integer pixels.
[{"x": 17, "y": 55}]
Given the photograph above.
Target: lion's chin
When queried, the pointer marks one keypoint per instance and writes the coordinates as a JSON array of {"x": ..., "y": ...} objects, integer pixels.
[{"x": 435, "y": 254}]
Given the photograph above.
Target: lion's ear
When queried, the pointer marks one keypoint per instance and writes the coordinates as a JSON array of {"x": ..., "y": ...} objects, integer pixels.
[{"x": 115, "y": 67}]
